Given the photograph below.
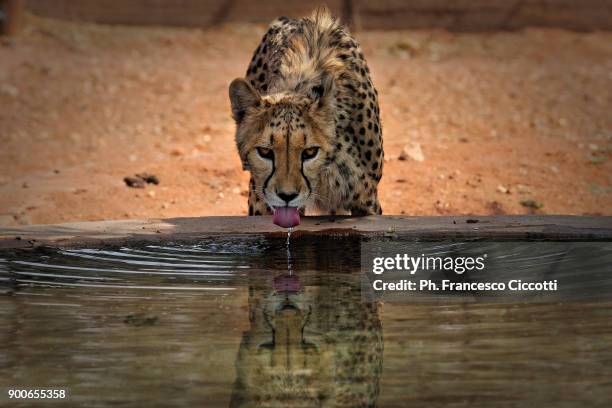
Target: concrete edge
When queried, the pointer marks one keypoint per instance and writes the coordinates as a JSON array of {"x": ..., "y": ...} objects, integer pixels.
[{"x": 100, "y": 233}]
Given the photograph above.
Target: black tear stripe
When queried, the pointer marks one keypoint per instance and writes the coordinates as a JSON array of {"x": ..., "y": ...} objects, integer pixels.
[
  {"x": 265, "y": 184},
  {"x": 302, "y": 171},
  {"x": 287, "y": 146},
  {"x": 305, "y": 179}
]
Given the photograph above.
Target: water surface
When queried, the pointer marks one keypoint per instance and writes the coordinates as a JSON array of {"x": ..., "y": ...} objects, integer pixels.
[{"x": 229, "y": 322}]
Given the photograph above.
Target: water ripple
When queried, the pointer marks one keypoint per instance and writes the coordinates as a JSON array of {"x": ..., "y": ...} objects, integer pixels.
[{"x": 206, "y": 266}]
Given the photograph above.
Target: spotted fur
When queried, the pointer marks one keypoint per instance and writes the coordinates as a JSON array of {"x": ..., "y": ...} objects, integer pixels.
[{"x": 308, "y": 86}]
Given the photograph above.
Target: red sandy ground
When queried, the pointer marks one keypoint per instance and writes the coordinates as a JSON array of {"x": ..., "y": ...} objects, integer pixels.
[{"x": 500, "y": 117}]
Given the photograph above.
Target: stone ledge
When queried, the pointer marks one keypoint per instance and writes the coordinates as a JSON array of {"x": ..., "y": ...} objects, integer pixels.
[{"x": 98, "y": 233}]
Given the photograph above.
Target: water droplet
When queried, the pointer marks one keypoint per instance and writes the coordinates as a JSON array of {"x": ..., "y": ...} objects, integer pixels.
[
  {"x": 289, "y": 266},
  {"x": 289, "y": 231}
]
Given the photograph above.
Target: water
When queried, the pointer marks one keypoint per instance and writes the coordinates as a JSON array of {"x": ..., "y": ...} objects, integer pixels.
[
  {"x": 289, "y": 231},
  {"x": 236, "y": 322},
  {"x": 288, "y": 244}
]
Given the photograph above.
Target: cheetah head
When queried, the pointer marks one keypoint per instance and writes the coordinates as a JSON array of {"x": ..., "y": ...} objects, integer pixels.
[{"x": 285, "y": 140}]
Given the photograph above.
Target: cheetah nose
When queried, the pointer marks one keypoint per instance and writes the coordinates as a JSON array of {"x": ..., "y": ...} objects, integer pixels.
[{"x": 286, "y": 197}]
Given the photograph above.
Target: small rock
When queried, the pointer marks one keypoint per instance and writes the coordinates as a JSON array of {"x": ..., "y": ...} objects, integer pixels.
[
  {"x": 151, "y": 194},
  {"x": 502, "y": 189},
  {"x": 522, "y": 189},
  {"x": 236, "y": 190},
  {"x": 134, "y": 182},
  {"x": 412, "y": 151},
  {"x": 532, "y": 204},
  {"x": 149, "y": 178},
  {"x": 139, "y": 180},
  {"x": 177, "y": 152}
]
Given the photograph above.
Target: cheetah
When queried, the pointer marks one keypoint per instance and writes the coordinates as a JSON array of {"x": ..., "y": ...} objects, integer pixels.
[{"x": 307, "y": 121}]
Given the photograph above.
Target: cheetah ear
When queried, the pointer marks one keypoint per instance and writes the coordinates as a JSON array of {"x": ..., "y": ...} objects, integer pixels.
[
  {"x": 242, "y": 97},
  {"x": 322, "y": 92}
]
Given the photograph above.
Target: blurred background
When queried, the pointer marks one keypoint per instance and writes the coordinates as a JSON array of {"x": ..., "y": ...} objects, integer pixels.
[{"x": 488, "y": 106}]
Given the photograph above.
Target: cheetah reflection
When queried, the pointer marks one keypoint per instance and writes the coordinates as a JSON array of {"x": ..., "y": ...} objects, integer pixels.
[{"x": 314, "y": 343}]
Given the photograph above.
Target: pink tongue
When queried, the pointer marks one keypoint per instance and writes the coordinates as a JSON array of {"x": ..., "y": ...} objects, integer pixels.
[{"x": 286, "y": 217}]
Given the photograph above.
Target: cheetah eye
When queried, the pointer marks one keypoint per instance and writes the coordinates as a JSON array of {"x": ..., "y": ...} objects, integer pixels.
[
  {"x": 310, "y": 153},
  {"x": 265, "y": 153}
]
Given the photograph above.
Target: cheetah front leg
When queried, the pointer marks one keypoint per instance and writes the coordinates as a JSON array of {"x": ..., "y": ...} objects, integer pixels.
[
  {"x": 369, "y": 207},
  {"x": 256, "y": 205}
]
